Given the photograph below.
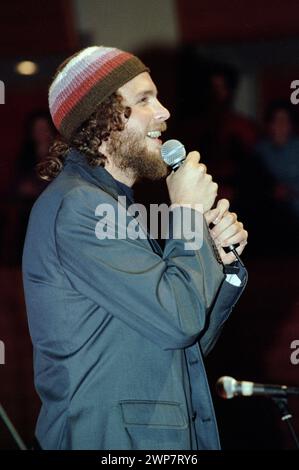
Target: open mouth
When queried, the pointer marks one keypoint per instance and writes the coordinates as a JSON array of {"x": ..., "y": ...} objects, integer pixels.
[{"x": 154, "y": 135}]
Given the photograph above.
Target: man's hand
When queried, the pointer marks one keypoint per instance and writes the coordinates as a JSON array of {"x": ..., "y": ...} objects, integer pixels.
[
  {"x": 227, "y": 230},
  {"x": 191, "y": 185}
]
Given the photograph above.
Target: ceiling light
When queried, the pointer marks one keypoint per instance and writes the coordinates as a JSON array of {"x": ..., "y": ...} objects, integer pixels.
[{"x": 26, "y": 67}]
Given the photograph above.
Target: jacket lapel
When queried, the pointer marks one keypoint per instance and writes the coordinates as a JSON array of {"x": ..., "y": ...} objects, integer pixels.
[{"x": 101, "y": 178}]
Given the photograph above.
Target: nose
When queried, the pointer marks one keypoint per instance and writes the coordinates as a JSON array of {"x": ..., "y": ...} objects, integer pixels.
[{"x": 161, "y": 113}]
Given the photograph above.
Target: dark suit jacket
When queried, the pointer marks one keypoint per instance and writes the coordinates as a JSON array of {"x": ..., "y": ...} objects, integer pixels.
[{"x": 118, "y": 327}]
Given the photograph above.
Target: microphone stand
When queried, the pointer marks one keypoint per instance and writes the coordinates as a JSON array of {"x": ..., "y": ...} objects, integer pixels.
[
  {"x": 286, "y": 416},
  {"x": 13, "y": 432}
]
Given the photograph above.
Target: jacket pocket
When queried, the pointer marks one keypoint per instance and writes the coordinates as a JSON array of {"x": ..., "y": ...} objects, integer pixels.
[
  {"x": 155, "y": 424},
  {"x": 153, "y": 414}
]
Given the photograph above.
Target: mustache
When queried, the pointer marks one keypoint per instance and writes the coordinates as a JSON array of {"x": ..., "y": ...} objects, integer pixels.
[{"x": 161, "y": 128}]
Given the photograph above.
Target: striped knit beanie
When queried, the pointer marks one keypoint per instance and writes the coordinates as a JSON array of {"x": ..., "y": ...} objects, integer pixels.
[{"x": 86, "y": 81}]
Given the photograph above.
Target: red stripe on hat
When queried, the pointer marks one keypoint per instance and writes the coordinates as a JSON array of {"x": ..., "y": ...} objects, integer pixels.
[
  {"x": 97, "y": 62},
  {"x": 78, "y": 93}
]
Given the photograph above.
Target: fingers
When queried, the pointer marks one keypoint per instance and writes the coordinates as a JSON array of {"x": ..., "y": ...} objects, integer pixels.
[
  {"x": 229, "y": 231},
  {"x": 233, "y": 234},
  {"x": 216, "y": 214},
  {"x": 193, "y": 158},
  {"x": 239, "y": 237},
  {"x": 191, "y": 184},
  {"x": 228, "y": 258},
  {"x": 211, "y": 215},
  {"x": 227, "y": 220},
  {"x": 222, "y": 206}
]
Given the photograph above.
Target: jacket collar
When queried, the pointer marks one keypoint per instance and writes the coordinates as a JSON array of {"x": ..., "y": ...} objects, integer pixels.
[
  {"x": 95, "y": 175},
  {"x": 76, "y": 161}
]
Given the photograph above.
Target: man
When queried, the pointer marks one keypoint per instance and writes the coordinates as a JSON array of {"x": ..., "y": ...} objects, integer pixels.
[{"x": 118, "y": 326}]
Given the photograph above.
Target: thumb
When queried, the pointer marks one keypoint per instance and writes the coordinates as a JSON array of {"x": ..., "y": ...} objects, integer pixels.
[
  {"x": 193, "y": 157},
  {"x": 212, "y": 215},
  {"x": 222, "y": 206}
]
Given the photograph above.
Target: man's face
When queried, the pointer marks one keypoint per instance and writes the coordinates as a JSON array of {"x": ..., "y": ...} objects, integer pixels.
[{"x": 137, "y": 147}]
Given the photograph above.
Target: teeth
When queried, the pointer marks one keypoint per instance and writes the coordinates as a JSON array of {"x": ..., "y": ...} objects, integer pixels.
[{"x": 154, "y": 134}]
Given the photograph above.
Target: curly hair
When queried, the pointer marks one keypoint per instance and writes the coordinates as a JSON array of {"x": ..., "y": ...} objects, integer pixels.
[{"x": 110, "y": 116}]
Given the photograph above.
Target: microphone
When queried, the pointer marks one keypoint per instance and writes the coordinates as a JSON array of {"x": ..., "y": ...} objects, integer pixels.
[
  {"x": 228, "y": 387},
  {"x": 173, "y": 153}
]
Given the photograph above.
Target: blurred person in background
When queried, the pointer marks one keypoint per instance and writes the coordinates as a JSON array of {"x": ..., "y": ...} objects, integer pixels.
[
  {"x": 227, "y": 136},
  {"x": 224, "y": 136},
  {"x": 279, "y": 155},
  {"x": 273, "y": 166},
  {"x": 39, "y": 135}
]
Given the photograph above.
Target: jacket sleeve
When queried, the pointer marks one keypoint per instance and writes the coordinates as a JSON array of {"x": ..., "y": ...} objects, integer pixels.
[
  {"x": 223, "y": 305},
  {"x": 165, "y": 299}
]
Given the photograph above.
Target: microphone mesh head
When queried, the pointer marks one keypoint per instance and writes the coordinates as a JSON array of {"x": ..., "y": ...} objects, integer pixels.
[
  {"x": 226, "y": 386},
  {"x": 173, "y": 152}
]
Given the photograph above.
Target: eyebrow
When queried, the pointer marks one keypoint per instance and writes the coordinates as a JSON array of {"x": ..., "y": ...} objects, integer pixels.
[{"x": 151, "y": 92}]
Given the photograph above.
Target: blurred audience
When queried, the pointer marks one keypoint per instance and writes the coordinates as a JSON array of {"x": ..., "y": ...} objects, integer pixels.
[
  {"x": 38, "y": 136},
  {"x": 259, "y": 177},
  {"x": 279, "y": 154},
  {"x": 269, "y": 185},
  {"x": 223, "y": 136},
  {"x": 227, "y": 136}
]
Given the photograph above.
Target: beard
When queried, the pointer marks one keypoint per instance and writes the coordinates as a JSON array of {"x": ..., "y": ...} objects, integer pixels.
[{"x": 130, "y": 154}]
